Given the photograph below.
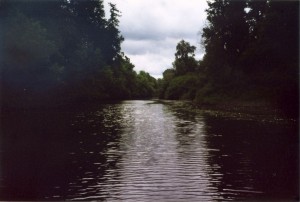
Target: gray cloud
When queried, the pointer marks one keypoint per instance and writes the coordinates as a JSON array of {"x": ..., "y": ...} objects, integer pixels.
[{"x": 152, "y": 30}]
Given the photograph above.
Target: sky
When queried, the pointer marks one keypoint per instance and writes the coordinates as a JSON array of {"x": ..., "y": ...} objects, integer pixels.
[{"x": 152, "y": 30}]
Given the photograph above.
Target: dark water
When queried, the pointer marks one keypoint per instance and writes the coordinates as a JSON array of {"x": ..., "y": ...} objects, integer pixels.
[{"x": 147, "y": 151}]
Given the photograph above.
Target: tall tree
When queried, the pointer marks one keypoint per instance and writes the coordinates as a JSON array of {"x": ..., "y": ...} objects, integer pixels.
[
  {"x": 255, "y": 15},
  {"x": 184, "y": 58},
  {"x": 225, "y": 36},
  {"x": 276, "y": 52},
  {"x": 253, "y": 46},
  {"x": 114, "y": 37}
]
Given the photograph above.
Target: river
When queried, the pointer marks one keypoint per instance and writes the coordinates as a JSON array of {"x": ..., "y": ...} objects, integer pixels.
[{"x": 147, "y": 151}]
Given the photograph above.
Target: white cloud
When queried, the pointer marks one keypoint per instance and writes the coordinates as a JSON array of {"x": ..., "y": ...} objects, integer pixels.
[
  {"x": 148, "y": 62},
  {"x": 138, "y": 47},
  {"x": 152, "y": 30}
]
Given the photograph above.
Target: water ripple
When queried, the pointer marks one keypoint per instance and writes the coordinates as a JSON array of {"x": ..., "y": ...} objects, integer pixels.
[{"x": 141, "y": 151}]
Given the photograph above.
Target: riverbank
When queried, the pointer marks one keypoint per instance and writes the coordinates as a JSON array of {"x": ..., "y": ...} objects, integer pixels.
[
  {"x": 260, "y": 111},
  {"x": 253, "y": 108},
  {"x": 245, "y": 107}
]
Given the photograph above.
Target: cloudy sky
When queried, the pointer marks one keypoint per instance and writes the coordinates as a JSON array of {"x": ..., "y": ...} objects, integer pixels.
[{"x": 152, "y": 30}]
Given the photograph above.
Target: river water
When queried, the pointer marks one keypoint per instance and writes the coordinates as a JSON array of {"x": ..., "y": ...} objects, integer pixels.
[{"x": 147, "y": 151}]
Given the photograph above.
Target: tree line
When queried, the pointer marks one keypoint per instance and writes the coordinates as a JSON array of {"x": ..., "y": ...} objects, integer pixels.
[
  {"x": 65, "y": 51},
  {"x": 251, "y": 55}
]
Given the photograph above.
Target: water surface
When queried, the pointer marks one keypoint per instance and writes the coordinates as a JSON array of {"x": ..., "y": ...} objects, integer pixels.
[{"x": 146, "y": 151}]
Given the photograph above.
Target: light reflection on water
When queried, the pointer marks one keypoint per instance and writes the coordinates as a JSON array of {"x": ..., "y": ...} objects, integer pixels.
[
  {"x": 153, "y": 165},
  {"x": 146, "y": 151}
]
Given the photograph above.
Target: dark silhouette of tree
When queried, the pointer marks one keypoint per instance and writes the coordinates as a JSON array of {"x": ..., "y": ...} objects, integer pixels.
[
  {"x": 224, "y": 38},
  {"x": 251, "y": 55},
  {"x": 113, "y": 35},
  {"x": 64, "y": 51}
]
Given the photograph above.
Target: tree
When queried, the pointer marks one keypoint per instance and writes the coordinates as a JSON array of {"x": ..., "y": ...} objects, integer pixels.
[
  {"x": 64, "y": 51},
  {"x": 163, "y": 84},
  {"x": 182, "y": 87},
  {"x": 26, "y": 66},
  {"x": 89, "y": 16},
  {"x": 146, "y": 85},
  {"x": 184, "y": 58},
  {"x": 113, "y": 37},
  {"x": 255, "y": 15},
  {"x": 224, "y": 38},
  {"x": 252, "y": 47},
  {"x": 275, "y": 53}
]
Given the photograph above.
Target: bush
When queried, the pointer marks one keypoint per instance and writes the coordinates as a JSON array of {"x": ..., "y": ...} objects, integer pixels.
[{"x": 182, "y": 87}]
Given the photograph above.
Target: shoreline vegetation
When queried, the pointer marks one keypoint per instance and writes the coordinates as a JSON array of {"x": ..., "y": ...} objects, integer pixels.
[
  {"x": 247, "y": 108},
  {"x": 66, "y": 53},
  {"x": 251, "y": 59}
]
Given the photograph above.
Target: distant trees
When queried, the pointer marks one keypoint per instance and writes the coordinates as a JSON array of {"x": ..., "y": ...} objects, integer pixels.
[
  {"x": 180, "y": 82},
  {"x": 146, "y": 85},
  {"x": 184, "y": 58},
  {"x": 67, "y": 51},
  {"x": 64, "y": 51}
]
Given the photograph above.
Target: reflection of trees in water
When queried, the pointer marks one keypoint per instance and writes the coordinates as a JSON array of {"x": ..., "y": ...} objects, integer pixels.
[
  {"x": 256, "y": 159},
  {"x": 192, "y": 148},
  {"x": 95, "y": 154},
  {"x": 57, "y": 153},
  {"x": 185, "y": 123},
  {"x": 81, "y": 153},
  {"x": 245, "y": 159},
  {"x": 33, "y": 157}
]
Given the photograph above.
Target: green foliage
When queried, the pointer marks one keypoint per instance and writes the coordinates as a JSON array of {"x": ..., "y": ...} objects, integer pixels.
[
  {"x": 184, "y": 58},
  {"x": 180, "y": 82},
  {"x": 58, "y": 52},
  {"x": 251, "y": 54},
  {"x": 182, "y": 87},
  {"x": 26, "y": 43},
  {"x": 225, "y": 37},
  {"x": 163, "y": 84},
  {"x": 113, "y": 35},
  {"x": 146, "y": 85},
  {"x": 26, "y": 63}
]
